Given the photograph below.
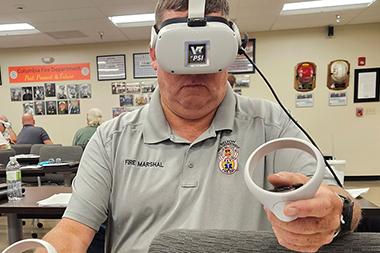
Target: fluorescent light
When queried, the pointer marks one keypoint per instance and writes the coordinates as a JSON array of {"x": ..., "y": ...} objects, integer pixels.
[
  {"x": 17, "y": 29},
  {"x": 323, "y": 6},
  {"x": 133, "y": 20}
]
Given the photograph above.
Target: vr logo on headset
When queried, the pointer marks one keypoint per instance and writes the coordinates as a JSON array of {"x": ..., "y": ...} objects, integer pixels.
[{"x": 197, "y": 53}]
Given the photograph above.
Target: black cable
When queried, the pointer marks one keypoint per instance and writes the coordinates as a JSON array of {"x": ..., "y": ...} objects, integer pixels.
[{"x": 242, "y": 51}]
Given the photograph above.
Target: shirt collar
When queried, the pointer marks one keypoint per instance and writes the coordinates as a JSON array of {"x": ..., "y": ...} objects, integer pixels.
[
  {"x": 157, "y": 128},
  {"x": 225, "y": 115}
]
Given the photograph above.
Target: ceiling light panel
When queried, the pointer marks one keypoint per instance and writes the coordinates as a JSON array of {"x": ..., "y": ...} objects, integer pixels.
[{"x": 323, "y": 6}]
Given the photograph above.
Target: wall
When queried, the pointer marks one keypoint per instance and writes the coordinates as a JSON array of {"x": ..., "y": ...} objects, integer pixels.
[
  {"x": 336, "y": 129},
  {"x": 61, "y": 128}
]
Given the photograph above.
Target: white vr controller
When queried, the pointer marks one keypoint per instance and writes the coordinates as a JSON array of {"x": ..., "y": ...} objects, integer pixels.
[
  {"x": 276, "y": 201},
  {"x": 29, "y": 244}
]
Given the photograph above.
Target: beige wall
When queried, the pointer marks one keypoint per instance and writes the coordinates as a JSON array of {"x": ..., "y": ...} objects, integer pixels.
[{"x": 337, "y": 130}]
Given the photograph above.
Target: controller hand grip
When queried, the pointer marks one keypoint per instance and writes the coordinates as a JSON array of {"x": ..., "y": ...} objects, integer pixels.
[
  {"x": 276, "y": 201},
  {"x": 29, "y": 244}
]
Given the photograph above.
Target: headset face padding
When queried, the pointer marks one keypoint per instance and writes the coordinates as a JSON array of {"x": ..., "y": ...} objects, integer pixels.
[{"x": 181, "y": 49}]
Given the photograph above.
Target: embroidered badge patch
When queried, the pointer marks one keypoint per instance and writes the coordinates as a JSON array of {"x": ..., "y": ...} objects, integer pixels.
[{"x": 228, "y": 153}]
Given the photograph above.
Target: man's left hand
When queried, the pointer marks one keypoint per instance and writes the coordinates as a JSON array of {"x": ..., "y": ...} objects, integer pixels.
[{"x": 318, "y": 218}]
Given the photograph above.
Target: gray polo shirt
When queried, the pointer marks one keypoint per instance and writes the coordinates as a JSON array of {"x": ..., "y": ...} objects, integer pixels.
[{"x": 146, "y": 179}]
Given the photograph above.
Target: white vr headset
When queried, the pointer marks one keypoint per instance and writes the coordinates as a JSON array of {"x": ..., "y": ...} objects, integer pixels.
[{"x": 197, "y": 44}]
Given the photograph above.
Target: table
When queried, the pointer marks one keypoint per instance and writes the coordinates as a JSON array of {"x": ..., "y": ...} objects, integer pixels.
[
  {"x": 28, "y": 208},
  {"x": 67, "y": 170}
]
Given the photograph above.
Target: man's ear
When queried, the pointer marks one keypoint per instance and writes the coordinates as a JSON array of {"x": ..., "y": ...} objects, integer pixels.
[{"x": 153, "y": 58}]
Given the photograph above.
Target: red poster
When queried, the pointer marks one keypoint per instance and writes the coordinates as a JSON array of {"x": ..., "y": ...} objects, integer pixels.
[{"x": 49, "y": 73}]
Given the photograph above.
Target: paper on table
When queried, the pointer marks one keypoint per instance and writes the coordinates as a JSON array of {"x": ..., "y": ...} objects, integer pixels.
[
  {"x": 30, "y": 167},
  {"x": 26, "y": 156},
  {"x": 357, "y": 192},
  {"x": 60, "y": 199}
]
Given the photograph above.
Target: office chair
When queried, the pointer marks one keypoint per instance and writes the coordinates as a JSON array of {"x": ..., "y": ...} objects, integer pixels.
[
  {"x": 35, "y": 149},
  {"x": 66, "y": 153},
  {"x": 5, "y": 154},
  {"x": 216, "y": 241},
  {"x": 22, "y": 148}
]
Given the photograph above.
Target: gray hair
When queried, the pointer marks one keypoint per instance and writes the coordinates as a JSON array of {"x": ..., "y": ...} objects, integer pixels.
[
  {"x": 212, "y": 6},
  {"x": 94, "y": 117}
]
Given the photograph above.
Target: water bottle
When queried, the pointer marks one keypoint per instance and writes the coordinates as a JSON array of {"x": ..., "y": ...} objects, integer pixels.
[{"x": 14, "y": 180}]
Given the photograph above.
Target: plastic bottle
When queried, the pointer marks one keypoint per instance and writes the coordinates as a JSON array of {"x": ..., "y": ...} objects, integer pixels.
[{"x": 14, "y": 180}]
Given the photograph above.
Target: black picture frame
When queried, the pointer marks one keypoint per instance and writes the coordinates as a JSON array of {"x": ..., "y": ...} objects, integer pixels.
[
  {"x": 105, "y": 63},
  {"x": 150, "y": 72},
  {"x": 373, "y": 97},
  {"x": 241, "y": 64}
]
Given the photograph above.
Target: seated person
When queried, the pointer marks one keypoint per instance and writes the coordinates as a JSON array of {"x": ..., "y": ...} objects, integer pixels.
[
  {"x": 31, "y": 134},
  {"x": 83, "y": 135},
  {"x": 7, "y": 132}
]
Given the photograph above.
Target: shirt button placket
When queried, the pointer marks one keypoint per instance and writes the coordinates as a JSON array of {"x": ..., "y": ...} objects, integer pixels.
[{"x": 189, "y": 176}]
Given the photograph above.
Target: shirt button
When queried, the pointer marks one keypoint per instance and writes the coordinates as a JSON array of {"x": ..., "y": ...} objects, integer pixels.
[{"x": 190, "y": 165}]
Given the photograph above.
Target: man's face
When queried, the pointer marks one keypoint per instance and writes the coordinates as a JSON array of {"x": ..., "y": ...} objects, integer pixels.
[{"x": 189, "y": 96}]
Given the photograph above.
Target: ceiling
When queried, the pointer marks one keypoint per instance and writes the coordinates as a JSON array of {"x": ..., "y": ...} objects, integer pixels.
[{"x": 80, "y": 21}]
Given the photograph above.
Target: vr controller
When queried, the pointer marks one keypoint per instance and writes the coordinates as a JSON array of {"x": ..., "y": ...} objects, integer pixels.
[
  {"x": 29, "y": 244},
  {"x": 277, "y": 199}
]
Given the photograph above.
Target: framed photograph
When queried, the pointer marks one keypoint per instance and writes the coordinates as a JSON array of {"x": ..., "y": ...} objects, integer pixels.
[
  {"x": 241, "y": 64},
  {"x": 142, "y": 67},
  {"x": 50, "y": 90},
  {"x": 111, "y": 67},
  {"x": 118, "y": 87},
  {"x": 85, "y": 90},
  {"x": 51, "y": 107},
  {"x": 16, "y": 94},
  {"x": 367, "y": 85}
]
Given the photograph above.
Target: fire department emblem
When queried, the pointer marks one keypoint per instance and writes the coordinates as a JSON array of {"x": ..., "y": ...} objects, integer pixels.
[{"x": 228, "y": 154}]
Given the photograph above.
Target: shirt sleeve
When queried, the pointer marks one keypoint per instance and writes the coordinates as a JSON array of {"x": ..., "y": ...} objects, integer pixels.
[
  {"x": 44, "y": 135},
  {"x": 91, "y": 186},
  {"x": 75, "y": 139}
]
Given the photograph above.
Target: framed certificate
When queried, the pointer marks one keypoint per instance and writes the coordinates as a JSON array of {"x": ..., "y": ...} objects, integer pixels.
[
  {"x": 142, "y": 67},
  {"x": 111, "y": 67},
  {"x": 241, "y": 64},
  {"x": 367, "y": 85}
]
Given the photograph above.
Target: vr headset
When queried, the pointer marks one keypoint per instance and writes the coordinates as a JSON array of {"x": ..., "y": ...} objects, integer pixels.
[{"x": 197, "y": 44}]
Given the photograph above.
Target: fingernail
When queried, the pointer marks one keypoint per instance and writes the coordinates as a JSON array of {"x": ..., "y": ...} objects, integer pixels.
[{"x": 291, "y": 211}]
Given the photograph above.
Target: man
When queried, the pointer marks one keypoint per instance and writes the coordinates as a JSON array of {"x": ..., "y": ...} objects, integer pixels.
[
  {"x": 27, "y": 94},
  {"x": 63, "y": 107},
  {"x": 31, "y": 134},
  {"x": 7, "y": 135},
  {"x": 50, "y": 89},
  {"x": 162, "y": 167},
  {"x": 83, "y": 135}
]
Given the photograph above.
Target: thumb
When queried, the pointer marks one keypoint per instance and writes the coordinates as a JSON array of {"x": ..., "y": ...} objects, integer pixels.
[{"x": 287, "y": 179}]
